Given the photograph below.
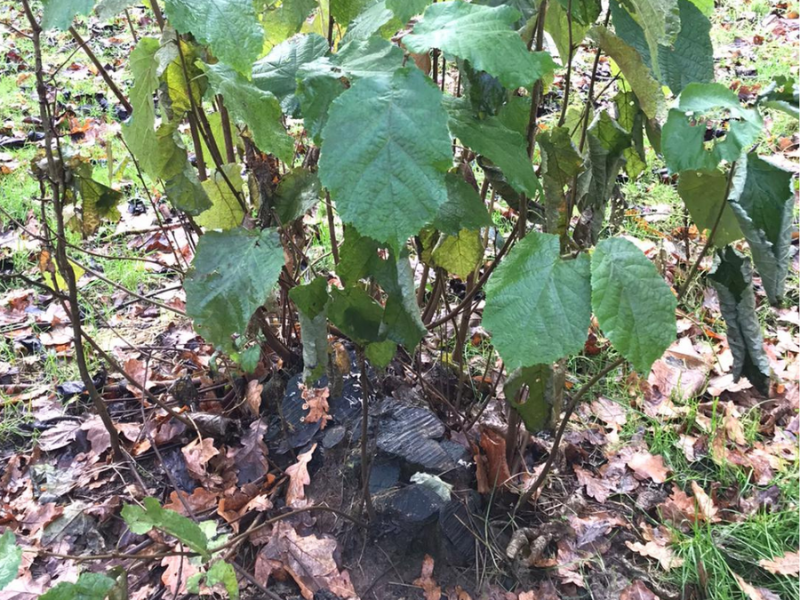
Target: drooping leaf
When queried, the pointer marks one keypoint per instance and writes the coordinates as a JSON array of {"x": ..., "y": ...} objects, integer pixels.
[
  {"x": 459, "y": 254},
  {"x": 630, "y": 62},
  {"x": 689, "y": 59},
  {"x": 485, "y": 93},
  {"x": 504, "y": 147},
  {"x": 106, "y": 9},
  {"x": 98, "y": 201},
  {"x": 542, "y": 397},
  {"x": 185, "y": 192},
  {"x": 660, "y": 20},
  {"x": 782, "y": 94},
  {"x": 527, "y": 298},
  {"x": 384, "y": 154},
  {"x": 153, "y": 515},
  {"x": 344, "y": 11},
  {"x": 90, "y": 586},
  {"x": 258, "y": 109},
  {"x": 405, "y": 9},
  {"x": 225, "y": 211},
  {"x": 232, "y": 275},
  {"x": 702, "y": 192},
  {"x": 484, "y": 36},
  {"x": 764, "y": 210},
  {"x": 372, "y": 21},
  {"x": 633, "y": 304},
  {"x": 282, "y": 20},
  {"x": 182, "y": 77},
  {"x": 557, "y": 25},
  {"x": 380, "y": 354},
  {"x": 363, "y": 58},
  {"x": 224, "y": 573},
  {"x": 584, "y": 12},
  {"x": 561, "y": 163},
  {"x": 311, "y": 301},
  {"x": 138, "y": 132},
  {"x": 683, "y": 142},
  {"x": 464, "y": 208},
  {"x": 230, "y": 27},
  {"x": 732, "y": 278},
  {"x": 356, "y": 314},
  {"x": 277, "y": 71},
  {"x": 10, "y": 558},
  {"x": 298, "y": 191},
  {"x": 58, "y": 14}
]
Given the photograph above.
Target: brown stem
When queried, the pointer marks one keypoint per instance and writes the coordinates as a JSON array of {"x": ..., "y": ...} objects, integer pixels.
[
  {"x": 130, "y": 24},
  {"x": 331, "y": 227},
  {"x": 565, "y": 101},
  {"x": 102, "y": 70},
  {"x": 157, "y": 12},
  {"x": 227, "y": 134},
  {"x": 202, "y": 172},
  {"x": 367, "y": 497}
]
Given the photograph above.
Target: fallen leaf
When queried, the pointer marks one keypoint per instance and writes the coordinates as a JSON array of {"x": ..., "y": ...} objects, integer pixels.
[
  {"x": 298, "y": 478},
  {"x": 494, "y": 446},
  {"x": 197, "y": 454},
  {"x": 178, "y": 571},
  {"x": 253, "y": 396},
  {"x": 705, "y": 505},
  {"x": 788, "y": 564},
  {"x": 97, "y": 434},
  {"x": 609, "y": 412},
  {"x": 316, "y": 403},
  {"x": 426, "y": 581},
  {"x": 647, "y": 466},
  {"x": 663, "y": 554},
  {"x": 599, "y": 489},
  {"x": 754, "y": 593},
  {"x": 251, "y": 457},
  {"x": 733, "y": 425},
  {"x": 637, "y": 591},
  {"x": 198, "y": 501},
  {"x": 60, "y": 435}
]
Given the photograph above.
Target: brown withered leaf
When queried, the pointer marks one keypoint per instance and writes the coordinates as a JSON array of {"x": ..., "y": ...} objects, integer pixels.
[
  {"x": 648, "y": 466},
  {"x": 599, "y": 489},
  {"x": 251, "y": 457},
  {"x": 308, "y": 560},
  {"x": 197, "y": 454},
  {"x": 198, "y": 501},
  {"x": 253, "y": 396},
  {"x": 316, "y": 403},
  {"x": 97, "y": 434},
  {"x": 663, "y": 554},
  {"x": 298, "y": 478},
  {"x": 705, "y": 505},
  {"x": 544, "y": 591},
  {"x": 494, "y": 445},
  {"x": 426, "y": 580},
  {"x": 178, "y": 571},
  {"x": 609, "y": 412},
  {"x": 788, "y": 564},
  {"x": 755, "y": 593},
  {"x": 138, "y": 371},
  {"x": 733, "y": 425},
  {"x": 59, "y": 436},
  {"x": 637, "y": 591}
]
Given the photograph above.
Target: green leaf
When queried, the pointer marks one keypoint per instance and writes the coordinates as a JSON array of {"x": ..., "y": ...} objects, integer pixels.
[
  {"x": 633, "y": 304},
  {"x": 732, "y": 278},
  {"x": 504, "y": 147},
  {"x": 230, "y": 27},
  {"x": 258, "y": 109},
  {"x": 538, "y": 305},
  {"x": 224, "y": 573},
  {"x": 58, "y": 14},
  {"x": 702, "y": 192},
  {"x": 311, "y": 301},
  {"x": 283, "y": 20},
  {"x": 298, "y": 191},
  {"x": 464, "y": 208},
  {"x": 630, "y": 62},
  {"x": 561, "y": 163},
  {"x": 764, "y": 210},
  {"x": 232, "y": 275},
  {"x": 689, "y": 59},
  {"x": 557, "y": 25},
  {"x": 277, "y": 71},
  {"x": 485, "y": 93},
  {"x": 374, "y": 20},
  {"x": 177, "y": 101},
  {"x": 225, "y": 211},
  {"x": 380, "y": 354},
  {"x": 384, "y": 154},
  {"x": 706, "y": 6},
  {"x": 363, "y": 58},
  {"x": 107, "y": 9},
  {"x": 10, "y": 558},
  {"x": 660, "y": 20},
  {"x": 460, "y": 253},
  {"x": 484, "y": 36},
  {"x": 782, "y": 94},
  {"x": 90, "y": 586},
  {"x": 153, "y": 515},
  {"x": 138, "y": 132},
  {"x": 356, "y": 314},
  {"x": 537, "y": 409},
  {"x": 185, "y": 192},
  {"x": 405, "y": 9},
  {"x": 344, "y": 11},
  {"x": 683, "y": 143},
  {"x": 98, "y": 200},
  {"x": 584, "y": 12}
]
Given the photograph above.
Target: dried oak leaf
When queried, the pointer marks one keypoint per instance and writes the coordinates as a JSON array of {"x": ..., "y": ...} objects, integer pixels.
[
  {"x": 705, "y": 505},
  {"x": 316, "y": 403},
  {"x": 647, "y": 466},
  {"x": 253, "y": 396},
  {"x": 298, "y": 478},
  {"x": 637, "y": 591},
  {"x": 599, "y": 489},
  {"x": 663, "y": 554},
  {"x": 198, "y": 501},
  {"x": 308, "y": 560},
  {"x": 733, "y": 425},
  {"x": 177, "y": 573},
  {"x": 754, "y": 593},
  {"x": 197, "y": 454},
  {"x": 426, "y": 581},
  {"x": 251, "y": 458},
  {"x": 494, "y": 446},
  {"x": 788, "y": 564}
]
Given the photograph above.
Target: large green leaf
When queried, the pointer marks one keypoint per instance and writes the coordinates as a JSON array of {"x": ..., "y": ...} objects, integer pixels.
[
  {"x": 584, "y": 12},
  {"x": 224, "y": 573},
  {"x": 405, "y": 9},
  {"x": 633, "y": 304},
  {"x": 464, "y": 208},
  {"x": 683, "y": 142},
  {"x": 542, "y": 399},
  {"x": 311, "y": 300},
  {"x": 630, "y": 62},
  {"x": 505, "y": 147},
  {"x": 298, "y": 191},
  {"x": 90, "y": 586},
  {"x": 782, "y": 94},
  {"x": 538, "y": 305},
  {"x": 344, "y": 11},
  {"x": 58, "y": 14},
  {"x": 689, "y": 59},
  {"x": 230, "y": 27},
  {"x": 225, "y": 212},
  {"x": 138, "y": 132},
  {"x": 482, "y": 35},
  {"x": 153, "y": 515},
  {"x": 185, "y": 192},
  {"x": 375, "y": 20},
  {"x": 459, "y": 254},
  {"x": 282, "y": 20},
  {"x": 181, "y": 78},
  {"x": 764, "y": 210},
  {"x": 660, "y": 20},
  {"x": 277, "y": 71},
  {"x": 561, "y": 163},
  {"x": 106, "y": 9},
  {"x": 384, "y": 154},
  {"x": 558, "y": 26},
  {"x": 259, "y": 109},
  {"x": 231, "y": 276},
  {"x": 356, "y": 314},
  {"x": 702, "y": 192},
  {"x": 732, "y": 278},
  {"x": 485, "y": 93},
  {"x": 10, "y": 558}
]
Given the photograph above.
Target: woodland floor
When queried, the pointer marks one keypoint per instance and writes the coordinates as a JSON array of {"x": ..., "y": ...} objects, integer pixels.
[{"x": 679, "y": 485}]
